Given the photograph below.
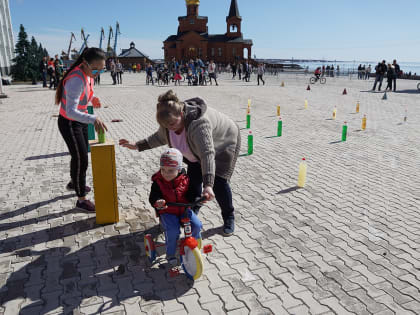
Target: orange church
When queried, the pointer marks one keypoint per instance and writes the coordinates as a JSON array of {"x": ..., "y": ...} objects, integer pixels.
[{"x": 193, "y": 39}]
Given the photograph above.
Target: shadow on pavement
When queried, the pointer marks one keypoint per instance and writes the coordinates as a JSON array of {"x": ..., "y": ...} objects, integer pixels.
[
  {"x": 285, "y": 191},
  {"x": 413, "y": 91},
  {"x": 33, "y": 206},
  {"x": 211, "y": 232},
  {"x": 46, "y": 156},
  {"x": 116, "y": 268}
]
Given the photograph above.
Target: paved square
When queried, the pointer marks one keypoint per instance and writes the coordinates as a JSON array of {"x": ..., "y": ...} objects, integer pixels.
[{"x": 346, "y": 243}]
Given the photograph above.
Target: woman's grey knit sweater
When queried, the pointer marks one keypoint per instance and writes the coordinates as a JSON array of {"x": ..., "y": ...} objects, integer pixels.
[{"x": 213, "y": 138}]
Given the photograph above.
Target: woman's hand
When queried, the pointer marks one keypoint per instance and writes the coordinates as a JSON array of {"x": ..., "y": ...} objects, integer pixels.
[
  {"x": 126, "y": 144},
  {"x": 208, "y": 193},
  {"x": 96, "y": 102},
  {"x": 100, "y": 126}
]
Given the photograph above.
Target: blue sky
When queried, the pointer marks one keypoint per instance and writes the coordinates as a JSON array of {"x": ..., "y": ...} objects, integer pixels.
[{"x": 330, "y": 29}]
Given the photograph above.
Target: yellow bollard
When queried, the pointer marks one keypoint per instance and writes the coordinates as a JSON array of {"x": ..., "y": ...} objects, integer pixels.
[
  {"x": 104, "y": 181},
  {"x": 278, "y": 110},
  {"x": 364, "y": 122},
  {"x": 306, "y": 103}
]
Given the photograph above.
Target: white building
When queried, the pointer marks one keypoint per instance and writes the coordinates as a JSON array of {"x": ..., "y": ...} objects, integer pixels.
[{"x": 7, "y": 50}]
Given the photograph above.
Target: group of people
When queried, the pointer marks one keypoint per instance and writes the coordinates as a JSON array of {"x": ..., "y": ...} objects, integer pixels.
[
  {"x": 205, "y": 139},
  {"x": 392, "y": 72},
  {"x": 243, "y": 69},
  {"x": 195, "y": 71},
  {"x": 116, "y": 70},
  {"x": 52, "y": 68},
  {"x": 363, "y": 72}
]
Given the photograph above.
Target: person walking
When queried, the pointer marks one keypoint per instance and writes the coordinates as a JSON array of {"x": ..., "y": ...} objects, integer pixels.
[
  {"x": 149, "y": 74},
  {"x": 390, "y": 73},
  {"x": 260, "y": 73},
  {"x": 43, "y": 68},
  {"x": 397, "y": 71},
  {"x": 73, "y": 94},
  {"x": 209, "y": 141},
  {"x": 113, "y": 69},
  {"x": 119, "y": 70},
  {"x": 245, "y": 71},
  {"x": 240, "y": 70},
  {"x": 58, "y": 65},
  {"x": 359, "y": 72},
  {"x": 368, "y": 71},
  {"x": 233, "y": 70},
  {"x": 51, "y": 73},
  {"x": 380, "y": 73},
  {"x": 212, "y": 72}
]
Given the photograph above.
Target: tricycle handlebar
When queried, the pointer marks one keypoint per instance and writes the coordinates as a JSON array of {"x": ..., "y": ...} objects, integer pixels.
[{"x": 187, "y": 205}]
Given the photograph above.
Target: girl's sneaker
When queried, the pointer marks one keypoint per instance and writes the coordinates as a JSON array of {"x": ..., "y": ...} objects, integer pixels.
[
  {"x": 70, "y": 186},
  {"x": 85, "y": 205}
]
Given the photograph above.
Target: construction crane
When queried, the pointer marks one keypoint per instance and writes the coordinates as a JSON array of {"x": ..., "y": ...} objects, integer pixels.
[
  {"x": 71, "y": 41},
  {"x": 117, "y": 32},
  {"x": 102, "y": 37},
  {"x": 84, "y": 38},
  {"x": 109, "y": 48}
]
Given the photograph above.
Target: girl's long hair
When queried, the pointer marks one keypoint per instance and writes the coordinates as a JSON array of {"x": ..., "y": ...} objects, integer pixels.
[{"x": 89, "y": 55}]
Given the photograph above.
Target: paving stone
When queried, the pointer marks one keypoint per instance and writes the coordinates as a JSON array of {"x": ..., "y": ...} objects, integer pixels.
[
  {"x": 335, "y": 305},
  {"x": 191, "y": 304},
  {"x": 347, "y": 243},
  {"x": 314, "y": 306},
  {"x": 229, "y": 300}
]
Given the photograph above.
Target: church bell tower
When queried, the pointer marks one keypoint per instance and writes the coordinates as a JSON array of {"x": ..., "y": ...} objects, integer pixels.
[{"x": 234, "y": 21}]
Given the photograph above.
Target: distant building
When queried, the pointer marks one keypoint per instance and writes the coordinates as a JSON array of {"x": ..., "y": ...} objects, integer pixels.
[
  {"x": 193, "y": 40},
  {"x": 131, "y": 56},
  {"x": 7, "y": 47}
]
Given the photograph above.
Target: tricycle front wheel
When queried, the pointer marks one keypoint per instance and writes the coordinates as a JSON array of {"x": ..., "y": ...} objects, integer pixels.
[{"x": 192, "y": 263}]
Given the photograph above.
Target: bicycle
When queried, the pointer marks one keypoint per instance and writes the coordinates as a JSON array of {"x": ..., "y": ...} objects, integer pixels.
[
  {"x": 313, "y": 80},
  {"x": 189, "y": 247}
]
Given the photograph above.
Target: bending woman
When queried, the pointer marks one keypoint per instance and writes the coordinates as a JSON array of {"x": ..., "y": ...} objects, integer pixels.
[{"x": 209, "y": 142}]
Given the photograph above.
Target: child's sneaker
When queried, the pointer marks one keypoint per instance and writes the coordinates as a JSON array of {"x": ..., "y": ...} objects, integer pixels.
[{"x": 172, "y": 261}]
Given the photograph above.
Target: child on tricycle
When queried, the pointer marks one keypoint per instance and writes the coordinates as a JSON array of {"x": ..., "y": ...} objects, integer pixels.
[{"x": 171, "y": 184}]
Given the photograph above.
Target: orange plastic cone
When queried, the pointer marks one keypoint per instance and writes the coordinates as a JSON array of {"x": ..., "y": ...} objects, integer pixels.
[{"x": 345, "y": 92}]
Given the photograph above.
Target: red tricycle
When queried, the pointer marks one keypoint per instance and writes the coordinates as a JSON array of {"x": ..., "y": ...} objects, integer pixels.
[{"x": 189, "y": 247}]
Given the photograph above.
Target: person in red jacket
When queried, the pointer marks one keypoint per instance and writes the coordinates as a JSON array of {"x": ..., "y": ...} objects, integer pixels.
[
  {"x": 171, "y": 184},
  {"x": 317, "y": 72}
]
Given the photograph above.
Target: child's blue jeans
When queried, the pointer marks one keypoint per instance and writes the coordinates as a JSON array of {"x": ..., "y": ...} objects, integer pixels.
[{"x": 171, "y": 223}]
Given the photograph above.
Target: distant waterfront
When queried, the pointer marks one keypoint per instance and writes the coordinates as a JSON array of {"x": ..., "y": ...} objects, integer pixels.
[{"x": 414, "y": 67}]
